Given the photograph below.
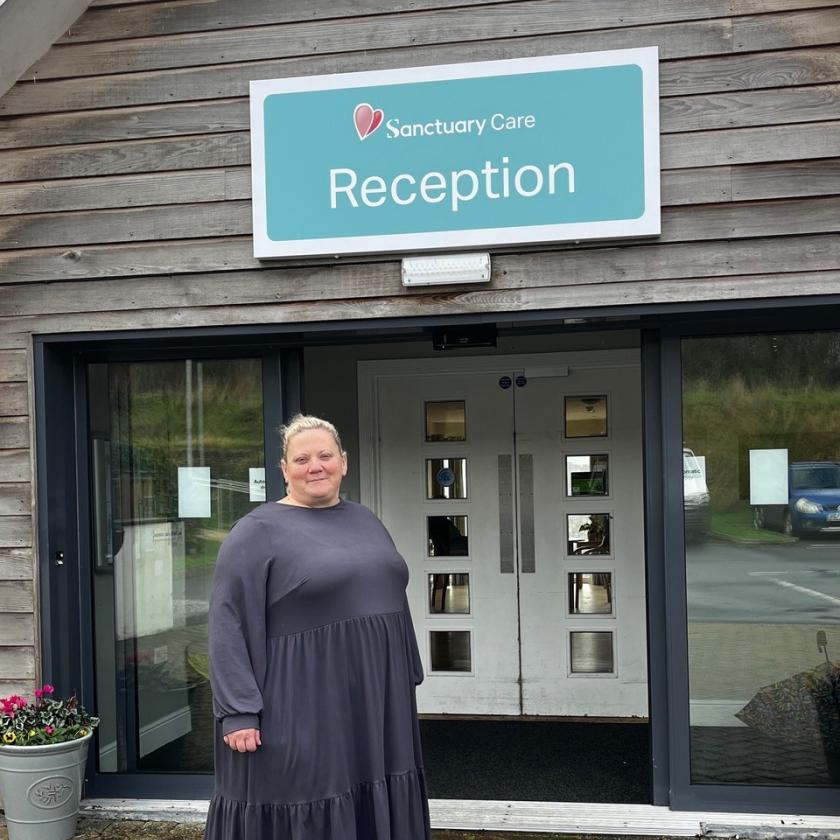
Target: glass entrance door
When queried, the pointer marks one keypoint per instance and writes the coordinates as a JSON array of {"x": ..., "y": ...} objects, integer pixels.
[
  {"x": 513, "y": 488},
  {"x": 176, "y": 456}
]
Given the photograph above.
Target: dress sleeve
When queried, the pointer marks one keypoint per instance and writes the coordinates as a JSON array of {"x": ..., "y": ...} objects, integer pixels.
[
  {"x": 416, "y": 660},
  {"x": 237, "y": 628}
]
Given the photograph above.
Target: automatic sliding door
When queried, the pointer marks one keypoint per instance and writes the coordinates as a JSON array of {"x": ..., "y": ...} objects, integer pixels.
[{"x": 177, "y": 455}]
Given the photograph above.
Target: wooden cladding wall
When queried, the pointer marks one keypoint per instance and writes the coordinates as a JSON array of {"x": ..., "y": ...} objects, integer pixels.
[{"x": 124, "y": 180}]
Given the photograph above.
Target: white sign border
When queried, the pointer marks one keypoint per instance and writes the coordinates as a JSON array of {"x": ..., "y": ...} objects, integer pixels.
[{"x": 648, "y": 224}]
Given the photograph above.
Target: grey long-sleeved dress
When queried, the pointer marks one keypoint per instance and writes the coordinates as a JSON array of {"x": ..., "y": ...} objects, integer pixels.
[{"x": 312, "y": 643}]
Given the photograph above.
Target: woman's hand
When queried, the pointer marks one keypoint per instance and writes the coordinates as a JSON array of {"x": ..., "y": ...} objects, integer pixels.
[{"x": 243, "y": 740}]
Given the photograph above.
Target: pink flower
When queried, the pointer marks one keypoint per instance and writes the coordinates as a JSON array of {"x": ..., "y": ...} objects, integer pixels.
[
  {"x": 49, "y": 730},
  {"x": 48, "y": 689},
  {"x": 39, "y": 693}
]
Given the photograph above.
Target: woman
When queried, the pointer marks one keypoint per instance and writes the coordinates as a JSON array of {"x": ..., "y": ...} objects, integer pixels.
[{"x": 313, "y": 663}]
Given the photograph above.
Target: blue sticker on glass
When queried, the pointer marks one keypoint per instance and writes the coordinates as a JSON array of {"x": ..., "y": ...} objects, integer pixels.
[
  {"x": 505, "y": 382},
  {"x": 445, "y": 477},
  {"x": 521, "y": 381}
]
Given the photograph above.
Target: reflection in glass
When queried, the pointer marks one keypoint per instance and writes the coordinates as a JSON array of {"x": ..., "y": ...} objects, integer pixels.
[
  {"x": 449, "y": 593},
  {"x": 446, "y": 421},
  {"x": 589, "y": 533},
  {"x": 446, "y": 478},
  {"x": 761, "y": 430},
  {"x": 590, "y": 593},
  {"x": 591, "y": 652},
  {"x": 586, "y": 417},
  {"x": 450, "y": 650},
  {"x": 447, "y": 536},
  {"x": 586, "y": 475},
  {"x": 157, "y": 430}
]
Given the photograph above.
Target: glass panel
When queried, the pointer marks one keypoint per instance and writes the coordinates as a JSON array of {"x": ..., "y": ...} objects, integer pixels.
[
  {"x": 446, "y": 421},
  {"x": 586, "y": 417},
  {"x": 447, "y": 536},
  {"x": 449, "y": 593},
  {"x": 450, "y": 650},
  {"x": 589, "y": 533},
  {"x": 446, "y": 478},
  {"x": 592, "y": 652},
  {"x": 586, "y": 475},
  {"x": 176, "y": 458},
  {"x": 590, "y": 593},
  {"x": 761, "y": 430}
]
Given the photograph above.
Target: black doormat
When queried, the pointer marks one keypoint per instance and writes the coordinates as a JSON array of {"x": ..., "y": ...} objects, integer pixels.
[{"x": 537, "y": 760}]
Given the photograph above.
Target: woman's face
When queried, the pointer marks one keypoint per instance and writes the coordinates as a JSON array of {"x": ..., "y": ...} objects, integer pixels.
[{"x": 313, "y": 468}]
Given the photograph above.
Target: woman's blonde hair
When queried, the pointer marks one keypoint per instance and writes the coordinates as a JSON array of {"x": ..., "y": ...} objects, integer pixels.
[{"x": 303, "y": 423}]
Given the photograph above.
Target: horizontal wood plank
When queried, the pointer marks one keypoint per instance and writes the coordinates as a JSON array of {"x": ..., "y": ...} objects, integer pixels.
[
  {"x": 678, "y": 113},
  {"x": 16, "y": 596},
  {"x": 232, "y": 80},
  {"x": 750, "y": 71},
  {"x": 687, "y": 149},
  {"x": 15, "y": 464},
  {"x": 12, "y": 366},
  {"x": 576, "y": 266},
  {"x": 679, "y": 224},
  {"x": 564, "y": 298},
  {"x": 168, "y": 18},
  {"x": 768, "y": 32},
  {"x": 227, "y": 218},
  {"x": 215, "y": 150},
  {"x": 15, "y": 499},
  {"x": 15, "y": 532},
  {"x": 750, "y": 108},
  {"x": 16, "y": 564},
  {"x": 115, "y": 191},
  {"x": 14, "y": 399},
  {"x": 22, "y": 687},
  {"x": 14, "y": 434},
  {"x": 416, "y": 30},
  {"x": 750, "y": 145},
  {"x": 17, "y": 629},
  {"x": 17, "y": 663},
  {"x": 688, "y": 186},
  {"x": 172, "y": 16}
]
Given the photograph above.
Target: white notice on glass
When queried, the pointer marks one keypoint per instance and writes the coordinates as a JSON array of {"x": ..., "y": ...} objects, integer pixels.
[
  {"x": 768, "y": 476},
  {"x": 256, "y": 484},
  {"x": 193, "y": 492}
]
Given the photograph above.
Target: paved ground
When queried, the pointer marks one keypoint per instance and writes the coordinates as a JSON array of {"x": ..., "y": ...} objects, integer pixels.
[{"x": 128, "y": 830}]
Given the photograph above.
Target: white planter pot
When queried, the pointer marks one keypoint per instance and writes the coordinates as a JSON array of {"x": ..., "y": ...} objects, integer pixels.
[{"x": 41, "y": 788}]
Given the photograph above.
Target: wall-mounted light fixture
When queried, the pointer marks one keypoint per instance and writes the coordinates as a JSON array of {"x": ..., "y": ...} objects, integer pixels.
[{"x": 446, "y": 268}]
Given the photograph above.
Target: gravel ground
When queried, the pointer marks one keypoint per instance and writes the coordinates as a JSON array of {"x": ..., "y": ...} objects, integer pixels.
[{"x": 91, "y": 829}]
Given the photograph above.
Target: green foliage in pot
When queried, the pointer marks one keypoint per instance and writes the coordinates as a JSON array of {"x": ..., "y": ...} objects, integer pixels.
[{"x": 44, "y": 721}]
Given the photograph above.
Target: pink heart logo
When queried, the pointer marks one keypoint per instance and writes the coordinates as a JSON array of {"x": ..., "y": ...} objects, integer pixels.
[{"x": 367, "y": 119}]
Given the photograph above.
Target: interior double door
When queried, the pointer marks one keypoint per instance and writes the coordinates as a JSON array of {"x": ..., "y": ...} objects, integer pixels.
[{"x": 513, "y": 488}]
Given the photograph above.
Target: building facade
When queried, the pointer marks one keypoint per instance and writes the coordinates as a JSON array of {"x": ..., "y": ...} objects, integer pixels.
[{"x": 614, "y": 470}]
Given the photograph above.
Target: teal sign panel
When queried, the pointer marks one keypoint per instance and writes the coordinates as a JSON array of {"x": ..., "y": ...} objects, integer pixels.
[{"x": 545, "y": 149}]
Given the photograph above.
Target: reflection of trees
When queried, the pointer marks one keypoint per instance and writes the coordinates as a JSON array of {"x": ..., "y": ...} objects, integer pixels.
[
  {"x": 759, "y": 392},
  {"x": 150, "y": 432}
]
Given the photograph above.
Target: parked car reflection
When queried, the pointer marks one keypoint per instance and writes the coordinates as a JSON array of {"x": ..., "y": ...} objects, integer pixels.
[{"x": 813, "y": 501}]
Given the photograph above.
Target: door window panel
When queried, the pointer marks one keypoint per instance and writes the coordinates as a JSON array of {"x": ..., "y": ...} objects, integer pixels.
[
  {"x": 446, "y": 421},
  {"x": 446, "y": 478},
  {"x": 449, "y": 593},
  {"x": 176, "y": 458},
  {"x": 590, "y": 593},
  {"x": 591, "y": 652},
  {"x": 450, "y": 650},
  {"x": 586, "y": 416},
  {"x": 447, "y": 536},
  {"x": 588, "y": 533},
  {"x": 761, "y": 490},
  {"x": 587, "y": 475}
]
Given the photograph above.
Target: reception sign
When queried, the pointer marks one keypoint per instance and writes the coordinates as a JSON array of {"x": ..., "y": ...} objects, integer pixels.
[{"x": 545, "y": 149}]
